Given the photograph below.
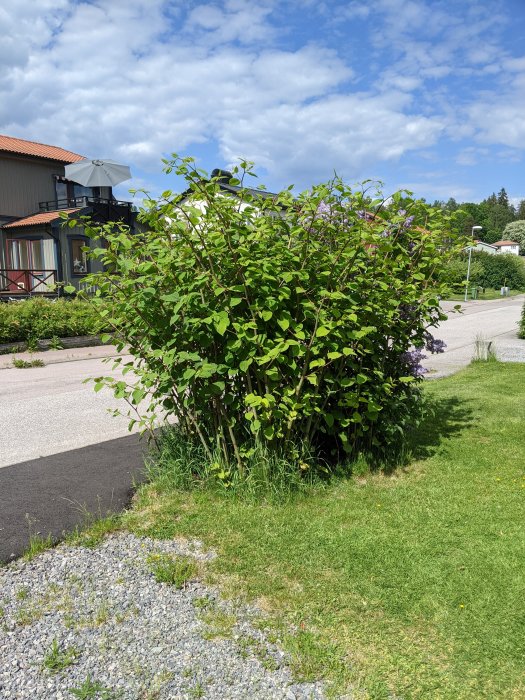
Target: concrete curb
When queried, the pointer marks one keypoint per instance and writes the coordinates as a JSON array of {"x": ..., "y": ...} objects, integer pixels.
[{"x": 73, "y": 354}]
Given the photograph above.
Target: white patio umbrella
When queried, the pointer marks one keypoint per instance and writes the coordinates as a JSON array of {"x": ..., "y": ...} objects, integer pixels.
[{"x": 97, "y": 173}]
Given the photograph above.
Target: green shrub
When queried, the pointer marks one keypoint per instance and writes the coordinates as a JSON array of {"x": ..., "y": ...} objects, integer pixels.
[
  {"x": 501, "y": 270},
  {"x": 34, "y": 319},
  {"x": 486, "y": 270},
  {"x": 283, "y": 321},
  {"x": 455, "y": 272}
]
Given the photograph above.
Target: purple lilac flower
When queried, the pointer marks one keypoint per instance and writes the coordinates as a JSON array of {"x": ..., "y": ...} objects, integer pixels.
[
  {"x": 407, "y": 223},
  {"x": 434, "y": 345},
  {"x": 324, "y": 210},
  {"x": 413, "y": 359},
  {"x": 402, "y": 212}
]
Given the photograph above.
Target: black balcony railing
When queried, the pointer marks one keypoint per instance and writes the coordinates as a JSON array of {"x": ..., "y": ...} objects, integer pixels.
[
  {"x": 27, "y": 281},
  {"x": 77, "y": 202}
]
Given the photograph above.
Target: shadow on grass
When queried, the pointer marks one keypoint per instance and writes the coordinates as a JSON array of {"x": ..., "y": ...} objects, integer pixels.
[{"x": 443, "y": 419}]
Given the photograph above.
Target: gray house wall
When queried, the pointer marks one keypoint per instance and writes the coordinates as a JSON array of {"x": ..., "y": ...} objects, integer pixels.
[{"x": 24, "y": 182}]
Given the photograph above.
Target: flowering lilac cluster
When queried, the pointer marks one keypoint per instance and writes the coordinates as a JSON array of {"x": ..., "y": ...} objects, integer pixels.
[
  {"x": 407, "y": 223},
  {"x": 324, "y": 210},
  {"x": 434, "y": 345},
  {"x": 413, "y": 359}
]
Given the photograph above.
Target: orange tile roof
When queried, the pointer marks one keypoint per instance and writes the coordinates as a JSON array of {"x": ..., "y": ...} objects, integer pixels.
[
  {"x": 497, "y": 244},
  {"x": 39, "y": 150},
  {"x": 44, "y": 217}
]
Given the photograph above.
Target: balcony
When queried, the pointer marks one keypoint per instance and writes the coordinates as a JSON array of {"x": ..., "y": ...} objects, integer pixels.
[
  {"x": 27, "y": 282},
  {"x": 78, "y": 202}
]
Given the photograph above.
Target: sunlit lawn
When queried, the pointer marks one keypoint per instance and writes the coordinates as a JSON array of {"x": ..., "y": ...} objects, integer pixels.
[{"x": 404, "y": 586}]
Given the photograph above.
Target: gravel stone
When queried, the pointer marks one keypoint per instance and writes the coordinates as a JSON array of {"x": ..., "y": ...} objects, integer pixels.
[{"x": 137, "y": 638}]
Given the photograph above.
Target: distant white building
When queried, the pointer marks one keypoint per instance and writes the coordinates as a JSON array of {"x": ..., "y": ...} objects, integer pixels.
[
  {"x": 485, "y": 247},
  {"x": 507, "y": 247},
  {"x": 495, "y": 248}
]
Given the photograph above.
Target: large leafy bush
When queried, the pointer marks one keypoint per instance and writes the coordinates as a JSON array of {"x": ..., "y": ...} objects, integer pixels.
[{"x": 287, "y": 322}]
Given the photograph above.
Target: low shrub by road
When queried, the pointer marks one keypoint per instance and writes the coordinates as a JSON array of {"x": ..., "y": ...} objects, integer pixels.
[{"x": 36, "y": 319}]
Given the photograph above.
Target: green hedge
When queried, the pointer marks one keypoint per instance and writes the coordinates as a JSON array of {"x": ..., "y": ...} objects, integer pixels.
[
  {"x": 493, "y": 271},
  {"x": 36, "y": 319}
]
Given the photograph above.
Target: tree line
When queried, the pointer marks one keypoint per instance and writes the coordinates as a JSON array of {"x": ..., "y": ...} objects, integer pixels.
[{"x": 494, "y": 213}]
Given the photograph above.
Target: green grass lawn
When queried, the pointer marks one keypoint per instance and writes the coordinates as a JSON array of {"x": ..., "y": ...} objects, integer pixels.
[
  {"x": 487, "y": 294},
  {"x": 403, "y": 586}
]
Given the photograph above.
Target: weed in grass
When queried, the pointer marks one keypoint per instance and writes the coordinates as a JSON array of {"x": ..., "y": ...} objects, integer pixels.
[
  {"x": 55, "y": 344},
  {"x": 37, "y": 545},
  {"x": 101, "y": 615},
  {"x": 202, "y": 602},
  {"x": 91, "y": 690},
  {"x": 58, "y": 659},
  {"x": 26, "y": 364},
  {"x": 95, "y": 526},
  {"x": 28, "y": 614},
  {"x": 93, "y": 532},
  {"x": 219, "y": 624},
  {"x": 32, "y": 344},
  {"x": 176, "y": 571},
  {"x": 22, "y": 594},
  {"x": 197, "y": 691},
  {"x": 250, "y": 645}
]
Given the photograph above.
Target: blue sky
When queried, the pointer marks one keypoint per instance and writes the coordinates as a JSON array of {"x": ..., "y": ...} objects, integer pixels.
[{"x": 423, "y": 94}]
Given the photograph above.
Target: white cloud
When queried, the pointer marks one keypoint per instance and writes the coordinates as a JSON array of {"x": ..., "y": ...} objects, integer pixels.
[
  {"x": 347, "y": 133},
  {"x": 108, "y": 80},
  {"x": 137, "y": 79}
]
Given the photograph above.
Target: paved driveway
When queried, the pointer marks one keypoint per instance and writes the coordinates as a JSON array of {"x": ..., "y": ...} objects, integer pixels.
[{"x": 491, "y": 320}]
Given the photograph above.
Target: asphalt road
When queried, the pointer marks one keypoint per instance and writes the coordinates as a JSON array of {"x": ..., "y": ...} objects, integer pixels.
[
  {"x": 61, "y": 454},
  {"x": 52, "y": 495},
  {"x": 495, "y": 321}
]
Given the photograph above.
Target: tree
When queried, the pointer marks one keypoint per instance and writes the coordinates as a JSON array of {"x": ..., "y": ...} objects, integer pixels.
[
  {"x": 503, "y": 198},
  {"x": 515, "y": 231}
]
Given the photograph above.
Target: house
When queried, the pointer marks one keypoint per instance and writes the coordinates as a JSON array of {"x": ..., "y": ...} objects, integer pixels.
[
  {"x": 36, "y": 250},
  {"x": 483, "y": 247},
  {"x": 507, "y": 247}
]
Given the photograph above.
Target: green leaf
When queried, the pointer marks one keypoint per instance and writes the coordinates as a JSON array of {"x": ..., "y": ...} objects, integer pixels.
[
  {"x": 334, "y": 355},
  {"x": 312, "y": 378},
  {"x": 284, "y": 323},
  {"x": 243, "y": 366},
  {"x": 269, "y": 432},
  {"x": 322, "y": 331},
  {"x": 361, "y": 378},
  {"x": 266, "y": 314},
  {"x": 221, "y": 323}
]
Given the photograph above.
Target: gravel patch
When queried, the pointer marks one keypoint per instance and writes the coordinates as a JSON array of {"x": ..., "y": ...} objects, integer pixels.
[{"x": 101, "y": 613}]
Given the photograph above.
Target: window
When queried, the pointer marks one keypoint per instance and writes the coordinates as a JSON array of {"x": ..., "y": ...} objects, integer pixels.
[
  {"x": 60, "y": 189},
  {"x": 79, "y": 261}
]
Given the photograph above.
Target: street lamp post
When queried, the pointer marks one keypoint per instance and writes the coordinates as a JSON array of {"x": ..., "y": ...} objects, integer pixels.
[{"x": 474, "y": 228}]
